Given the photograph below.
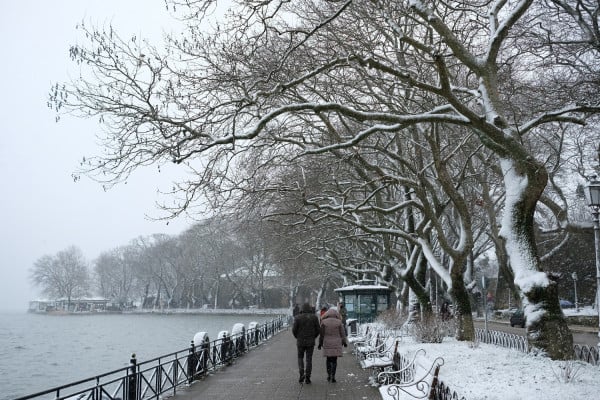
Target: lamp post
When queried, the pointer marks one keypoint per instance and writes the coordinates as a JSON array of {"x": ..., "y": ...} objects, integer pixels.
[
  {"x": 574, "y": 276},
  {"x": 592, "y": 194}
]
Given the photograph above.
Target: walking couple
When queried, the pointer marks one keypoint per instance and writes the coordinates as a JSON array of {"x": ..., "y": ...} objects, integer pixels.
[{"x": 331, "y": 336}]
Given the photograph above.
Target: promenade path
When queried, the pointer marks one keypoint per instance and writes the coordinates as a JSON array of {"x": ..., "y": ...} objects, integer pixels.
[{"x": 270, "y": 372}]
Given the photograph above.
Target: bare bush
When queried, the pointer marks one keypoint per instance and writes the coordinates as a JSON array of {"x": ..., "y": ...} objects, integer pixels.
[
  {"x": 567, "y": 371},
  {"x": 429, "y": 329},
  {"x": 392, "y": 318}
]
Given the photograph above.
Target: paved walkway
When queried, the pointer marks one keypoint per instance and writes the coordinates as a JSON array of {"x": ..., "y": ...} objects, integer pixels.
[{"x": 270, "y": 372}]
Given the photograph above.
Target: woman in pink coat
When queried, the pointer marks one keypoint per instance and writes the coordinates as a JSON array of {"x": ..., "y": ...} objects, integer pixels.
[{"x": 331, "y": 340}]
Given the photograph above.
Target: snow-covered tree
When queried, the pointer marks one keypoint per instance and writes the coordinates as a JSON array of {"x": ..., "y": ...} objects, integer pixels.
[{"x": 324, "y": 77}]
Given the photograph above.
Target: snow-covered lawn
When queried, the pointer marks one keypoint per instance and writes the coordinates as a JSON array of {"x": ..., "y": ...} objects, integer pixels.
[
  {"x": 490, "y": 372},
  {"x": 582, "y": 311}
]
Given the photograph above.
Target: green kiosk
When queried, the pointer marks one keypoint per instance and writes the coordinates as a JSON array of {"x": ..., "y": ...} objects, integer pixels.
[{"x": 364, "y": 300}]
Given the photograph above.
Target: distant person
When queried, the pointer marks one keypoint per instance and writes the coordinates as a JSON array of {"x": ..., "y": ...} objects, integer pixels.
[
  {"x": 323, "y": 311},
  {"x": 331, "y": 340},
  {"x": 344, "y": 314},
  {"x": 445, "y": 311},
  {"x": 306, "y": 329}
]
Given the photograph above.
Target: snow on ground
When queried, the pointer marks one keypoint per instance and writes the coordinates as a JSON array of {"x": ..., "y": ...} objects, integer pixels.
[
  {"x": 482, "y": 371},
  {"x": 582, "y": 311}
]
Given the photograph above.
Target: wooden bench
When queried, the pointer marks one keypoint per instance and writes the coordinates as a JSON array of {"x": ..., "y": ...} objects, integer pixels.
[{"x": 412, "y": 378}]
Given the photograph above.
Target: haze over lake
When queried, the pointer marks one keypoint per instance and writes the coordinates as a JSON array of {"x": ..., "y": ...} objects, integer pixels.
[{"x": 38, "y": 352}]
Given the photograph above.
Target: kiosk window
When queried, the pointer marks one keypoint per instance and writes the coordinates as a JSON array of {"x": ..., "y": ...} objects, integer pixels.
[
  {"x": 367, "y": 304},
  {"x": 349, "y": 301}
]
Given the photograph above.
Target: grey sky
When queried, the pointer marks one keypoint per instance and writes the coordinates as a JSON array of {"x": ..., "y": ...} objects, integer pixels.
[{"x": 42, "y": 210}]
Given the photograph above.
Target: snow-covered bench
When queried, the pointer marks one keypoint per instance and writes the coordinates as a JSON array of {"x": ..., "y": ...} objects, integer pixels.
[
  {"x": 414, "y": 378},
  {"x": 371, "y": 344},
  {"x": 381, "y": 358},
  {"x": 360, "y": 336}
]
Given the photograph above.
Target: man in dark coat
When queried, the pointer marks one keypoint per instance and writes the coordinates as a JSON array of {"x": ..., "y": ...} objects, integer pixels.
[{"x": 306, "y": 329}]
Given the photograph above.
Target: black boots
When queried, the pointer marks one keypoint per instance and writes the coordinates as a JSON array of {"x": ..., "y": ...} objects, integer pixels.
[
  {"x": 304, "y": 378},
  {"x": 331, "y": 367}
]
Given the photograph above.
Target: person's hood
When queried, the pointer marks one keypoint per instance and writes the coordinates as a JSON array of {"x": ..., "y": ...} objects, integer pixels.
[
  {"x": 306, "y": 308},
  {"x": 332, "y": 313}
]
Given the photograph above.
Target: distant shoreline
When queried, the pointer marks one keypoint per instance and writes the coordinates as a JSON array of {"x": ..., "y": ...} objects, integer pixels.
[
  {"x": 212, "y": 311},
  {"x": 176, "y": 311}
]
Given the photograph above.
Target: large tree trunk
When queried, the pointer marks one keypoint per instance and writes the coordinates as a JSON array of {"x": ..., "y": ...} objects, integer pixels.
[
  {"x": 417, "y": 284},
  {"x": 505, "y": 289},
  {"x": 292, "y": 293},
  {"x": 465, "y": 330},
  {"x": 322, "y": 291},
  {"x": 217, "y": 287},
  {"x": 547, "y": 329}
]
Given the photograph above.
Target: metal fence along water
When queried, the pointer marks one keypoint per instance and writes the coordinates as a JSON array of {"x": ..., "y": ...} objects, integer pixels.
[{"x": 162, "y": 376}]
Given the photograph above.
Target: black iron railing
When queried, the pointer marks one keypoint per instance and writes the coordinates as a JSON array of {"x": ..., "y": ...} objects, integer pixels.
[
  {"x": 584, "y": 353},
  {"x": 502, "y": 339},
  {"x": 588, "y": 354},
  {"x": 162, "y": 376},
  {"x": 443, "y": 392},
  {"x": 404, "y": 371}
]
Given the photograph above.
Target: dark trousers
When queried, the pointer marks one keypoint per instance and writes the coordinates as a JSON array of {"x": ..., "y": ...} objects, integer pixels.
[{"x": 305, "y": 351}]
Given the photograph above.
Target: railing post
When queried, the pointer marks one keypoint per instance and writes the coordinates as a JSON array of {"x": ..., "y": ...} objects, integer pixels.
[
  {"x": 230, "y": 349},
  {"x": 191, "y": 363},
  {"x": 158, "y": 376},
  {"x": 214, "y": 355},
  {"x": 132, "y": 379},
  {"x": 175, "y": 373},
  {"x": 97, "y": 392},
  {"x": 205, "y": 356}
]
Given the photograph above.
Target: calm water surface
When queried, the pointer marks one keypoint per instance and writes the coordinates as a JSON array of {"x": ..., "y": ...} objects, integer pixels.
[{"x": 38, "y": 352}]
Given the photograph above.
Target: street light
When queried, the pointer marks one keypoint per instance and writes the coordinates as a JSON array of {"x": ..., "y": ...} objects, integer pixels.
[
  {"x": 592, "y": 195},
  {"x": 574, "y": 276}
]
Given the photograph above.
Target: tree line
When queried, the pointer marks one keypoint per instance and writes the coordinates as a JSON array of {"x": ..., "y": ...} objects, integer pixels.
[
  {"x": 216, "y": 263},
  {"x": 403, "y": 139}
]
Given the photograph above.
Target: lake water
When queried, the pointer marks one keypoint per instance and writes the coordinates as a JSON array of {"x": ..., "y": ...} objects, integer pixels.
[{"x": 38, "y": 352}]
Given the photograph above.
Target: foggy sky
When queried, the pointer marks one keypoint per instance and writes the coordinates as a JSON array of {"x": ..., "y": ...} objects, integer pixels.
[{"x": 42, "y": 210}]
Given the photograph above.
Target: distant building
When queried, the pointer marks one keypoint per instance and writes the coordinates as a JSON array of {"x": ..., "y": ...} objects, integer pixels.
[
  {"x": 96, "y": 304},
  {"x": 365, "y": 299}
]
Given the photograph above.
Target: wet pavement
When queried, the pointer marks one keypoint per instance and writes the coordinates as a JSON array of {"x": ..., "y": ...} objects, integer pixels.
[{"x": 270, "y": 372}]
